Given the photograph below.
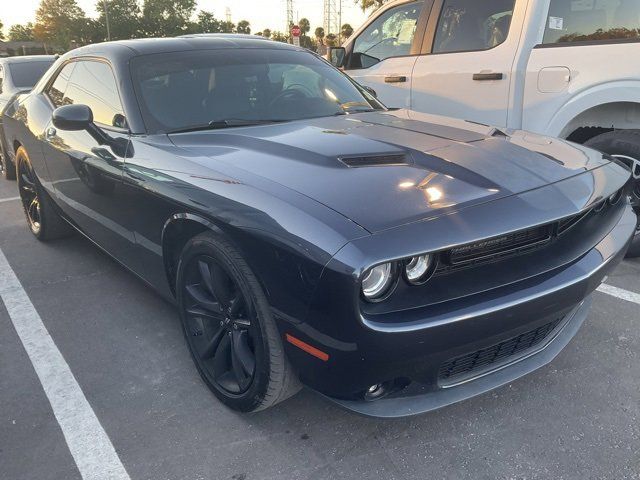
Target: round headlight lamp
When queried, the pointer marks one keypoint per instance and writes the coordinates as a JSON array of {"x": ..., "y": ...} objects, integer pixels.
[
  {"x": 418, "y": 269},
  {"x": 378, "y": 281}
]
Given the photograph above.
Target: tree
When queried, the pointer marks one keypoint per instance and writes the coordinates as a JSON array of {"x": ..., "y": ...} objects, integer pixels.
[
  {"x": 304, "y": 25},
  {"x": 346, "y": 31},
  {"x": 1, "y": 29},
  {"x": 167, "y": 18},
  {"x": 266, "y": 33},
  {"x": 331, "y": 40},
  {"x": 280, "y": 37},
  {"x": 207, "y": 23},
  {"x": 243, "y": 27},
  {"x": 319, "y": 33},
  {"x": 227, "y": 27},
  {"x": 59, "y": 22},
  {"x": 124, "y": 18},
  {"x": 21, "y": 33},
  {"x": 367, "y": 4}
]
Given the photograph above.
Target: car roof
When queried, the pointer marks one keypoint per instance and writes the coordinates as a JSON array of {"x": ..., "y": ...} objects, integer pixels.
[
  {"x": 148, "y": 46},
  {"x": 29, "y": 59}
]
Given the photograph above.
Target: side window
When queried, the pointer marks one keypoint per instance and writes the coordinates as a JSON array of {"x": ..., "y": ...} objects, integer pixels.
[
  {"x": 93, "y": 84},
  {"x": 592, "y": 20},
  {"x": 56, "y": 91},
  {"x": 472, "y": 25},
  {"x": 389, "y": 35}
]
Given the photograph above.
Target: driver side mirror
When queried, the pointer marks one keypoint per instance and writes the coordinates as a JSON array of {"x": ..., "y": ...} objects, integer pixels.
[
  {"x": 72, "y": 118},
  {"x": 75, "y": 118},
  {"x": 337, "y": 56}
]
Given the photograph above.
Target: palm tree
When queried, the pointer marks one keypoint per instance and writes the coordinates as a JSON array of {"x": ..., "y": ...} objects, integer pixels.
[{"x": 346, "y": 31}]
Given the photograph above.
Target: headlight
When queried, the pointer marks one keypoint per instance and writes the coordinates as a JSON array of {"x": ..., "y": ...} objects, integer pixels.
[
  {"x": 419, "y": 269},
  {"x": 378, "y": 281}
]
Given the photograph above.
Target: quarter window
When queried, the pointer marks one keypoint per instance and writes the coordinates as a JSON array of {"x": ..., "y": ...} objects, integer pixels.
[
  {"x": 592, "y": 20},
  {"x": 389, "y": 35},
  {"x": 59, "y": 86},
  {"x": 93, "y": 84},
  {"x": 472, "y": 25}
]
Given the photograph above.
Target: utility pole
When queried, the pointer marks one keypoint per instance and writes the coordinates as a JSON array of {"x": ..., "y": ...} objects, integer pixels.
[
  {"x": 106, "y": 18},
  {"x": 289, "y": 15},
  {"x": 332, "y": 16}
]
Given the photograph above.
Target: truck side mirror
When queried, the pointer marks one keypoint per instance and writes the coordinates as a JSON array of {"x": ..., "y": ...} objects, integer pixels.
[{"x": 337, "y": 56}]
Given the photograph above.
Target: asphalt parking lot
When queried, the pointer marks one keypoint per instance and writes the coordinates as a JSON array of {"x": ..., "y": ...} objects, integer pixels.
[{"x": 578, "y": 417}]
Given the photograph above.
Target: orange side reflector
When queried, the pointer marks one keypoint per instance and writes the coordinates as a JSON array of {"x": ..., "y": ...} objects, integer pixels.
[{"x": 307, "y": 348}]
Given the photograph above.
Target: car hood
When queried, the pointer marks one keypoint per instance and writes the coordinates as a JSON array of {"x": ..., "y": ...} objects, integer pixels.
[{"x": 385, "y": 169}]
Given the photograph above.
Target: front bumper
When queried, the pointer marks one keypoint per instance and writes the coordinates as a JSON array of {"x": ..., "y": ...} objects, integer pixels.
[
  {"x": 412, "y": 349},
  {"x": 420, "y": 399}
]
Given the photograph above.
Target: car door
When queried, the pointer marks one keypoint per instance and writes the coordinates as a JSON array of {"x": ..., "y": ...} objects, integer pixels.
[
  {"x": 382, "y": 54},
  {"x": 468, "y": 57},
  {"x": 86, "y": 176}
]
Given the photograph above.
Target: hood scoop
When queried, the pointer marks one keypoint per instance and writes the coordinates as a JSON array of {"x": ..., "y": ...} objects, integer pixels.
[{"x": 385, "y": 160}]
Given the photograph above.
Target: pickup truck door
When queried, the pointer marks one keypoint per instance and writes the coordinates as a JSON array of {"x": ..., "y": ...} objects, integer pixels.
[
  {"x": 382, "y": 54},
  {"x": 468, "y": 57}
]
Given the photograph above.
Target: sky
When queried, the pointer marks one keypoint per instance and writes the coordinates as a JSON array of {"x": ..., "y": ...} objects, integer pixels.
[{"x": 261, "y": 14}]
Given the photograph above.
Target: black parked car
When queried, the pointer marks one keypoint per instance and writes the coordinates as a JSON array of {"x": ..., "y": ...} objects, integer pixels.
[
  {"x": 393, "y": 263},
  {"x": 17, "y": 75}
]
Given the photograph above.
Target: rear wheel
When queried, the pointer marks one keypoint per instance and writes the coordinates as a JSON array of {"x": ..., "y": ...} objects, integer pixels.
[
  {"x": 228, "y": 326},
  {"x": 7, "y": 168},
  {"x": 43, "y": 220},
  {"x": 625, "y": 146}
]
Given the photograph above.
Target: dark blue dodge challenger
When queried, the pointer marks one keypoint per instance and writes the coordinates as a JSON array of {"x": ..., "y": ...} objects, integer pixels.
[{"x": 395, "y": 263}]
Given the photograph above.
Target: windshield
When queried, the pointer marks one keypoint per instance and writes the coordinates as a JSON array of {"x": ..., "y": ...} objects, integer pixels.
[
  {"x": 27, "y": 74},
  {"x": 184, "y": 90}
]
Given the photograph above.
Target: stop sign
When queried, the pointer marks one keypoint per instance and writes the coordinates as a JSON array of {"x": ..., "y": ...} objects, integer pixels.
[{"x": 295, "y": 31}]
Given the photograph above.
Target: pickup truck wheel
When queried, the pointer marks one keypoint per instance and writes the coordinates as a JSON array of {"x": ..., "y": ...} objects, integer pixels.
[{"x": 625, "y": 146}]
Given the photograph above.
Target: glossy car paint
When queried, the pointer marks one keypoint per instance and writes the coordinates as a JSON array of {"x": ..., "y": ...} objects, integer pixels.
[{"x": 309, "y": 226}]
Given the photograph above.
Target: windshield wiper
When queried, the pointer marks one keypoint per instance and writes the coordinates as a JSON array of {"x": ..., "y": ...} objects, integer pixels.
[{"x": 227, "y": 123}]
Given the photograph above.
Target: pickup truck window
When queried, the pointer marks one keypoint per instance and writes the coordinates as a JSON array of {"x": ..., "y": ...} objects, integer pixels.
[
  {"x": 472, "y": 25},
  {"x": 572, "y": 21},
  {"x": 389, "y": 35}
]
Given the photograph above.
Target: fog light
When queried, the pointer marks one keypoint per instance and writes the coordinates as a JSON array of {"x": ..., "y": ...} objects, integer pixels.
[
  {"x": 615, "y": 198},
  {"x": 375, "y": 391}
]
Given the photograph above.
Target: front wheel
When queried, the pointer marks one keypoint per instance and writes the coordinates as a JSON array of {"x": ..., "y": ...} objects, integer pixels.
[
  {"x": 624, "y": 145},
  {"x": 43, "y": 220},
  {"x": 229, "y": 329}
]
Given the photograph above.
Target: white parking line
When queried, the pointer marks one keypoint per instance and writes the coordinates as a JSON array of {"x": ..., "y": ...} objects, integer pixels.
[
  {"x": 620, "y": 293},
  {"x": 89, "y": 444},
  {"x": 12, "y": 199}
]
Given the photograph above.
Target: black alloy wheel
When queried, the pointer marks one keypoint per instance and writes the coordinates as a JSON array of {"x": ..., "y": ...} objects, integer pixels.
[
  {"x": 42, "y": 217},
  {"x": 228, "y": 325},
  {"x": 220, "y": 325},
  {"x": 29, "y": 195}
]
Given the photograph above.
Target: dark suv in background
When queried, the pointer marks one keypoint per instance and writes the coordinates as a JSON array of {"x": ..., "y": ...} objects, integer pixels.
[{"x": 17, "y": 75}]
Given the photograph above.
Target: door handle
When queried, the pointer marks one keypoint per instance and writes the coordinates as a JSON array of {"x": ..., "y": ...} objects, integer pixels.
[
  {"x": 488, "y": 76},
  {"x": 395, "y": 79},
  {"x": 50, "y": 134}
]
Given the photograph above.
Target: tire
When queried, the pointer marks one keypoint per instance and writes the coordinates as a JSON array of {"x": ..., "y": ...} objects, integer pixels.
[
  {"x": 7, "y": 167},
  {"x": 625, "y": 146},
  {"x": 227, "y": 318},
  {"x": 42, "y": 218}
]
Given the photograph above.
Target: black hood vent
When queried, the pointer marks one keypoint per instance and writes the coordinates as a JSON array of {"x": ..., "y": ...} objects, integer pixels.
[{"x": 376, "y": 160}]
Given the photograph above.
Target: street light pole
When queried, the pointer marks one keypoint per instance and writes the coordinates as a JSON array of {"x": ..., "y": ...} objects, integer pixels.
[{"x": 106, "y": 17}]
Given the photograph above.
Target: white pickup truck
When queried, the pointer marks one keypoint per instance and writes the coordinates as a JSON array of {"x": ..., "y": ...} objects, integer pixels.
[{"x": 561, "y": 68}]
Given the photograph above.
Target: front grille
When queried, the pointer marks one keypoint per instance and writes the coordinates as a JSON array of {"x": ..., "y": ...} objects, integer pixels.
[
  {"x": 517, "y": 243},
  {"x": 500, "y": 353},
  {"x": 500, "y": 246}
]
